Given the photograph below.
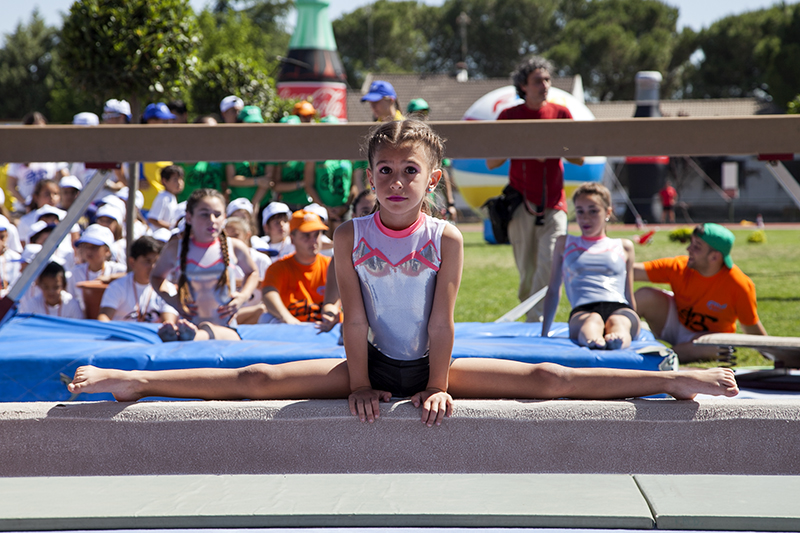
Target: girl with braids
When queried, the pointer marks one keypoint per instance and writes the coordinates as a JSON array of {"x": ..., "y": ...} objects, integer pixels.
[
  {"x": 205, "y": 258},
  {"x": 398, "y": 271}
]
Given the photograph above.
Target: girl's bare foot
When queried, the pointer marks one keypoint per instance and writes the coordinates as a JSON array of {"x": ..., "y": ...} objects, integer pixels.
[
  {"x": 186, "y": 330},
  {"x": 713, "y": 381},
  {"x": 596, "y": 344},
  {"x": 614, "y": 341},
  {"x": 121, "y": 383},
  {"x": 168, "y": 332}
]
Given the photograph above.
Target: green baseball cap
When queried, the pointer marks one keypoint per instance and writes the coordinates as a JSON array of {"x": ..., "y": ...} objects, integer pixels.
[
  {"x": 290, "y": 119},
  {"x": 720, "y": 239},
  {"x": 418, "y": 104},
  {"x": 250, "y": 114}
]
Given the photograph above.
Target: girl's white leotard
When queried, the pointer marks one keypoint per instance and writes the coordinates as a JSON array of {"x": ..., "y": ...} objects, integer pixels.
[
  {"x": 204, "y": 266},
  {"x": 397, "y": 271},
  {"x": 594, "y": 270}
]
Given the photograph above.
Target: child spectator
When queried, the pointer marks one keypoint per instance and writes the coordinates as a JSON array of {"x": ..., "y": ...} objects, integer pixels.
[
  {"x": 9, "y": 259},
  {"x": 243, "y": 208},
  {"x": 53, "y": 299},
  {"x": 275, "y": 221},
  {"x": 111, "y": 217},
  {"x": 162, "y": 212},
  {"x": 46, "y": 192},
  {"x": 131, "y": 298},
  {"x": 95, "y": 248},
  {"x": 294, "y": 287},
  {"x": 239, "y": 228},
  {"x": 70, "y": 187}
]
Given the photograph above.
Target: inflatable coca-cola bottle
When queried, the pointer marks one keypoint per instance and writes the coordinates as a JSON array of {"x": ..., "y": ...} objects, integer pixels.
[{"x": 313, "y": 69}]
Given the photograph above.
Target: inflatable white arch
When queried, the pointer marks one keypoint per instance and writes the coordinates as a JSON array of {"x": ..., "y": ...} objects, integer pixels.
[{"x": 477, "y": 183}]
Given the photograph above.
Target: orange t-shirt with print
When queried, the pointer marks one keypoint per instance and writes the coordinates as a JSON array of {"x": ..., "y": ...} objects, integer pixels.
[
  {"x": 301, "y": 287},
  {"x": 712, "y": 303}
]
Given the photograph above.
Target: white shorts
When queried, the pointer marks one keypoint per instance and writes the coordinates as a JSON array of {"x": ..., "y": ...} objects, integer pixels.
[{"x": 674, "y": 332}]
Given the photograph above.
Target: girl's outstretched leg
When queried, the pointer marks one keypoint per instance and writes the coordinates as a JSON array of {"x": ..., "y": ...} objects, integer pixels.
[
  {"x": 500, "y": 378},
  {"x": 317, "y": 378}
]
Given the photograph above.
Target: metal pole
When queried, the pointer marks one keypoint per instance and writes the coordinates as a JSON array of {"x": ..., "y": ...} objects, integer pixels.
[{"x": 8, "y": 304}]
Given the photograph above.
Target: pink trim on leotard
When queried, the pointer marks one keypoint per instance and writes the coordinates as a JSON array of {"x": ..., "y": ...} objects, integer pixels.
[
  {"x": 203, "y": 244},
  {"x": 399, "y": 234},
  {"x": 593, "y": 238}
]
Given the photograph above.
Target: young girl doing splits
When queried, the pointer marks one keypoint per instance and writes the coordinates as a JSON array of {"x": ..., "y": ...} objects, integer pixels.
[{"x": 398, "y": 272}]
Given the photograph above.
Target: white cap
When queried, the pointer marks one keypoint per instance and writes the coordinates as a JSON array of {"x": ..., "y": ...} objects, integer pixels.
[
  {"x": 71, "y": 181},
  {"x": 229, "y": 102},
  {"x": 50, "y": 210},
  {"x": 119, "y": 107},
  {"x": 317, "y": 210},
  {"x": 36, "y": 227},
  {"x": 110, "y": 211},
  {"x": 274, "y": 208},
  {"x": 86, "y": 119},
  {"x": 123, "y": 194},
  {"x": 116, "y": 201},
  {"x": 29, "y": 252},
  {"x": 4, "y": 223},
  {"x": 239, "y": 203},
  {"x": 162, "y": 234},
  {"x": 98, "y": 235},
  {"x": 2, "y": 196}
]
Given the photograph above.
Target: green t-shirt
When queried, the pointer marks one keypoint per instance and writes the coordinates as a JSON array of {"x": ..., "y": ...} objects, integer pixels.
[
  {"x": 249, "y": 170},
  {"x": 293, "y": 171},
  {"x": 333, "y": 180},
  {"x": 201, "y": 175}
]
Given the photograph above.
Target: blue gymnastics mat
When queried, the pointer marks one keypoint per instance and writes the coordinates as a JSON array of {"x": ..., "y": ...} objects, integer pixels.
[{"x": 37, "y": 352}]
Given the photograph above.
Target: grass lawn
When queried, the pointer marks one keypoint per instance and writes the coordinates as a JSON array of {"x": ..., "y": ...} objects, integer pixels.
[{"x": 489, "y": 284}]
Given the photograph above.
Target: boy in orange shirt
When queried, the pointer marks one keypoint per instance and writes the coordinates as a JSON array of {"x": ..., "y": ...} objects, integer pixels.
[
  {"x": 294, "y": 286},
  {"x": 710, "y": 294}
]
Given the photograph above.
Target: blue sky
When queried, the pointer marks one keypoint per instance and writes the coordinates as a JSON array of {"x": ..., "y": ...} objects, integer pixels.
[{"x": 693, "y": 13}]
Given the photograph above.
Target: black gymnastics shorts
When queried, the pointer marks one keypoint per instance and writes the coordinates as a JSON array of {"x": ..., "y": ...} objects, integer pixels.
[
  {"x": 401, "y": 378},
  {"x": 604, "y": 309}
]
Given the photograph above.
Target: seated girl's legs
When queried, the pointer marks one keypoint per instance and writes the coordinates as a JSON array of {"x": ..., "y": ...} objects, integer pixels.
[
  {"x": 500, "y": 378},
  {"x": 587, "y": 329},
  {"x": 621, "y": 328},
  {"x": 316, "y": 378}
]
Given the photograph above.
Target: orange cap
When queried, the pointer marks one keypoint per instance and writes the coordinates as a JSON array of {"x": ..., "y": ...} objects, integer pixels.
[
  {"x": 306, "y": 222},
  {"x": 304, "y": 109}
]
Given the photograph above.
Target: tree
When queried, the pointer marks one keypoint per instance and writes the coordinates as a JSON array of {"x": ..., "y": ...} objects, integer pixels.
[
  {"x": 755, "y": 53},
  {"x": 608, "y": 41},
  {"x": 130, "y": 49},
  {"x": 225, "y": 75},
  {"x": 26, "y": 62},
  {"x": 499, "y": 33},
  {"x": 239, "y": 34},
  {"x": 384, "y": 37}
]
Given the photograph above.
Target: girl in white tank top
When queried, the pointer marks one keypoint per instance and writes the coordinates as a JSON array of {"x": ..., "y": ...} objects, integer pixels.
[{"x": 598, "y": 277}]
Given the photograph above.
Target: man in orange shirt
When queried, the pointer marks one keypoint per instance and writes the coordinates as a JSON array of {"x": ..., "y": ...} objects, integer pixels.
[
  {"x": 294, "y": 286},
  {"x": 710, "y": 294}
]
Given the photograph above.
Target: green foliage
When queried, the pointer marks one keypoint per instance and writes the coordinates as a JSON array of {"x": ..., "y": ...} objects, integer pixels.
[
  {"x": 224, "y": 75},
  {"x": 750, "y": 54},
  {"x": 236, "y": 34},
  {"x": 384, "y": 37},
  {"x": 682, "y": 235},
  {"x": 609, "y": 41},
  {"x": 26, "y": 62},
  {"x": 499, "y": 34},
  {"x": 130, "y": 48},
  {"x": 793, "y": 107},
  {"x": 757, "y": 237}
]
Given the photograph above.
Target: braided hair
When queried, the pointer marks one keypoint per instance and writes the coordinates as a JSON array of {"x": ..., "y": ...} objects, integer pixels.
[{"x": 184, "y": 294}]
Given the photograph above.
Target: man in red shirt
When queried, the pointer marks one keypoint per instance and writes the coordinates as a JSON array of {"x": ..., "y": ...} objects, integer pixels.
[
  {"x": 542, "y": 216},
  {"x": 710, "y": 294}
]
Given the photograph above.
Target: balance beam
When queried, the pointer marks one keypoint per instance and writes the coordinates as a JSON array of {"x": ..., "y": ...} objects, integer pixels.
[{"x": 653, "y": 436}]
